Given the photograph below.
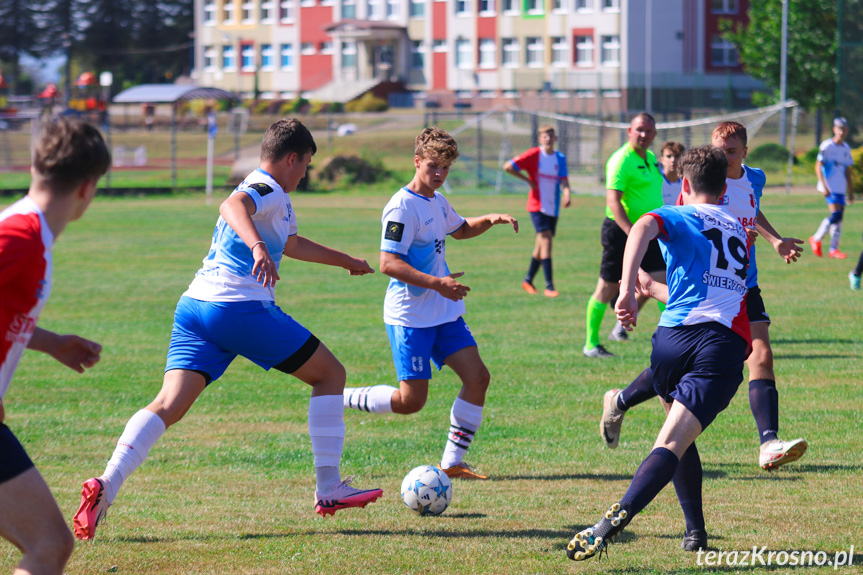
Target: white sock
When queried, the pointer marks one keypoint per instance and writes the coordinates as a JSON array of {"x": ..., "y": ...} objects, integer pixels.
[
  {"x": 822, "y": 229},
  {"x": 376, "y": 399},
  {"x": 327, "y": 432},
  {"x": 142, "y": 432},
  {"x": 835, "y": 234},
  {"x": 465, "y": 419}
]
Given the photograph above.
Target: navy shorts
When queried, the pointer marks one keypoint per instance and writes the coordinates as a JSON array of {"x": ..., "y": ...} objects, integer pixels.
[
  {"x": 613, "y": 246},
  {"x": 207, "y": 336},
  {"x": 13, "y": 459},
  {"x": 755, "y": 306},
  {"x": 700, "y": 366},
  {"x": 543, "y": 222}
]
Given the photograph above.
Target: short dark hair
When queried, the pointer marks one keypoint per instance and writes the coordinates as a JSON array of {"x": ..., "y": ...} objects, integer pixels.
[
  {"x": 67, "y": 152},
  {"x": 706, "y": 168},
  {"x": 287, "y": 136},
  {"x": 675, "y": 147},
  {"x": 727, "y": 130},
  {"x": 643, "y": 116}
]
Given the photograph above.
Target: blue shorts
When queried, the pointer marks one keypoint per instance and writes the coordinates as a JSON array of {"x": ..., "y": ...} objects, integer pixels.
[
  {"x": 13, "y": 459},
  {"x": 755, "y": 306},
  {"x": 413, "y": 347},
  {"x": 543, "y": 222},
  {"x": 700, "y": 366},
  {"x": 207, "y": 336},
  {"x": 838, "y": 199}
]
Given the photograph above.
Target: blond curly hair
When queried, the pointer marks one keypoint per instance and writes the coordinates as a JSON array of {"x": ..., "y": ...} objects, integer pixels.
[{"x": 436, "y": 145}]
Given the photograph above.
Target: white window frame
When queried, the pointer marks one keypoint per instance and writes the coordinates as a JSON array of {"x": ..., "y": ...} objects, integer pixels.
[
  {"x": 609, "y": 46},
  {"x": 391, "y": 9},
  {"x": 463, "y": 54},
  {"x": 349, "y": 48},
  {"x": 287, "y": 49},
  {"x": 487, "y": 53},
  {"x": 584, "y": 6},
  {"x": 610, "y": 5},
  {"x": 727, "y": 49},
  {"x": 308, "y": 49},
  {"x": 509, "y": 48},
  {"x": 229, "y": 52},
  {"x": 248, "y": 51},
  {"x": 538, "y": 7},
  {"x": 439, "y": 45},
  {"x": 326, "y": 47},
  {"x": 308, "y": 3},
  {"x": 418, "y": 51},
  {"x": 559, "y": 51},
  {"x": 416, "y": 9},
  {"x": 267, "y": 54},
  {"x": 487, "y": 8},
  {"x": 534, "y": 49},
  {"x": 266, "y": 11},
  {"x": 209, "y": 17},
  {"x": 514, "y": 8},
  {"x": 728, "y": 7},
  {"x": 584, "y": 46},
  {"x": 374, "y": 10},
  {"x": 247, "y": 10},
  {"x": 229, "y": 13},
  {"x": 209, "y": 58},
  {"x": 462, "y": 7},
  {"x": 559, "y": 7},
  {"x": 353, "y": 5},
  {"x": 287, "y": 10}
]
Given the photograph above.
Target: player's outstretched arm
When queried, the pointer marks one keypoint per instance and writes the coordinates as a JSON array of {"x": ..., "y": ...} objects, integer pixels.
[
  {"x": 475, "y": 226},
  {"x": 72, "y": 351},
  {"x": 448, "y": 286},
  {"x": 788, "y": 248},
  {"x": 626, "y": 308},
  {"x": 304, "y": 249},
  {"x": 237, "y": 212}
]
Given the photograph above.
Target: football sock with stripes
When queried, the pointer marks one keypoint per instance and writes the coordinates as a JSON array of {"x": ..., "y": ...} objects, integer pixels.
[
  {"x": 373, "y": 399},
  {"x": 327, "y": 432},
  {"x": 531, "y": 270},
  {"x": 639, "y": 391},
  {"x": 595, "y": 311},
  {"x": 142, "y": 432},
  {"x": 546, "y": 270},
  {"x": 652, "y": 476},
  {"x": 687, "y": 484},
  {"x": 465, "y": 419},
  {"x": 764, "y": 403}
]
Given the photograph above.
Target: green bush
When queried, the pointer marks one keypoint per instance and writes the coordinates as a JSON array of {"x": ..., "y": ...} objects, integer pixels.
[
  {"x": 811, "y": 156},
  {"x": 769, "y": 154},
  {"x": 368, "y": 102},
  {"x": 260, "y": 107},
  {"x": 857, "y": 168}
]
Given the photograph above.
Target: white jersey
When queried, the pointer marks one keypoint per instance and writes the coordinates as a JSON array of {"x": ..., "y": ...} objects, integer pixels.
[
  {"x": 227, "y": 271},
  {"x": 415, "y": 227},
  {"x": 834, "y": 158},
  {"x": 742, "y": 199},
  {"x": 670, "y": 190}
]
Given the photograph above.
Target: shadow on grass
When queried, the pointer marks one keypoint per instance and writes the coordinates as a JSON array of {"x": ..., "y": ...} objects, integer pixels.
[
  {"x": 562, "y": 477},
  {"x": 813, "y": 356},
  {"x": 815, "y": 341}
]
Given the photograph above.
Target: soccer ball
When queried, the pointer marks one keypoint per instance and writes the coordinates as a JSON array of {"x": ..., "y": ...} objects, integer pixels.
[{"x": 426, "y": 490}]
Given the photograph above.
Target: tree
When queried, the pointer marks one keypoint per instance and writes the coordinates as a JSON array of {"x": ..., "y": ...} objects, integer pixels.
[
  {"x": 811, "y": 70},
  {"x": 16, "y": 39}
]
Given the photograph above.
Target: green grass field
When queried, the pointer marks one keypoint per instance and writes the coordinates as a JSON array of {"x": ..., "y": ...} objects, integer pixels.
[{"x": 229, "y": 489}]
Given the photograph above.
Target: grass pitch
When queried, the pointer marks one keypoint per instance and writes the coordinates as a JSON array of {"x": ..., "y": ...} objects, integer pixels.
[{"x": 229, "y": 489}]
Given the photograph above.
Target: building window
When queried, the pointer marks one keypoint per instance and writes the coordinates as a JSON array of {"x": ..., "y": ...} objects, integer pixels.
[
  {"x": 510, "y": 7},
  {"x": 486, "y": 7},
  {"x": 610, "y": 51},
  {"x": 392, "y": 9},
  {"x": 373, "y": 9},
  {"x": 584, "y": 5},
  {"x": 487, "y": 53},
  {"x": 722, "y": 52},
  {"x": 534, "y": 6},
  {"x": 417, "y": 54},
  {"x": 229, "y": 58},
  {"x": 462, "y": 7},
  {"x": 266, "y": 56},
  {"x": 307, "y": 49},
  {"x": 584, "y": 51},
  {"x": 559, "y": 51},
  {"x": 307, "y": 3},
  {"x": 326, "y": 47},
  {"x": 558, "y": 6},
  {"x": 509, "y": 53},
  {"x": 248, "y": 13},
  {"x": 439, "y": 46},
  {"x": 417, "y": 8},
  {"x": 209, "y": 58},
  {"x": 210, "y": 12},
  {"x": 286, "y": 10},
  {"x": 266, "y": 11},
  {"x": 286, "y": 54},
  {"x": 723, "y": 6},
  {"x": 349, "y": 9},
  {"x": 228, "y": 12},
  {"x": 534, "y": 52},
  {"x": 463, "y": 54},
  {"x": 611, "y": 5},
  {"x": 349, "y": 55},
  {"x": 247, "y": 57}
]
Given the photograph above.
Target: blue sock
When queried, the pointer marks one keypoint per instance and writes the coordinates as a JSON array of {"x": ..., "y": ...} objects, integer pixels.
[
  {"x": 531, "y": 270},
  {"x": 546, "y": 269},
  {"x": 639, "y": 391},
  {"x": 764, "y": 403},
  {"x": 652, "y": 476},
  {"x": 687, "y": 483}
]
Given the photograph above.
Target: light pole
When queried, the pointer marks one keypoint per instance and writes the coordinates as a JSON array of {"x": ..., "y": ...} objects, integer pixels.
[
  {"x": 648, "y": 59},
  {"x": 783, "y": 72}
]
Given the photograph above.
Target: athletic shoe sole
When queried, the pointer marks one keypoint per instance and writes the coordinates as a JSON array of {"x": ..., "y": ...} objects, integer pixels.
[
  {"x": 791, "y": 454},
  {"x": 588, "y": 542},
  {"x": 324, "y": 507},
  {"x": 87, "y": 518}
]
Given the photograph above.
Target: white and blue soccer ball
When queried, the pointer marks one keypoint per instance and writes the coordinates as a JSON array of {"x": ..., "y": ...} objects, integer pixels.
[{"x": 426, "y": 490}]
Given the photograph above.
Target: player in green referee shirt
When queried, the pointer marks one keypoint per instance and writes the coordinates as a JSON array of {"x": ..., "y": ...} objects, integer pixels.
[{"x": 634, "y": 187}]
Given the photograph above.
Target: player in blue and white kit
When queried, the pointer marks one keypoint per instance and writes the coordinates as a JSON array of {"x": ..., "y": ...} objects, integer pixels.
[
  {"x": 424, "y": 305},
  {"x": 833, "y": 168},
  {"x": 229, "y": 310},
  {"x": 669, "y": 161},
  {"x": 700, "y": 344}
]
